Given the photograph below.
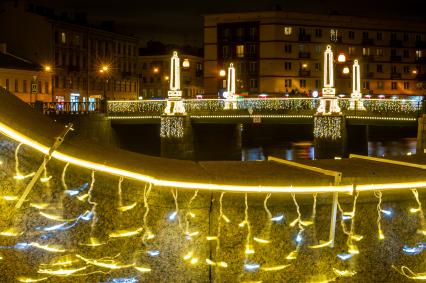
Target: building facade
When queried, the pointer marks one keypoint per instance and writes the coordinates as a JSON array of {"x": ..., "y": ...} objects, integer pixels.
[
  {"x": 281, "y": 53},
  {"x": 87, "y": 62},
  {"x": 26, "y": 80},
  {"x": 155, "y": 76}
]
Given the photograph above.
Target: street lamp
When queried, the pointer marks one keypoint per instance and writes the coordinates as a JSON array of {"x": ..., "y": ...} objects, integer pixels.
[
  {"x": 48, "y": 69},
  {"x": 341, "y": 58},
  {"x": 222, "y": 73},
  {"x": 185, "y": 63},
  {"x": 345, "y": 70}
]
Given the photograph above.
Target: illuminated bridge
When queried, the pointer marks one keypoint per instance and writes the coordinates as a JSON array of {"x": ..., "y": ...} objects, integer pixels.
[{"x": 74, "y": 210}]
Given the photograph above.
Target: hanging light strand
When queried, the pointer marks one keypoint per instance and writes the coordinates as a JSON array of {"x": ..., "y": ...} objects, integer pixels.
[
  {"x": 120, "y": 193},
  {"x": 64, "y": 171},
  {"x": 93, "y": 203},
  {"x": 378, "y": 194}
]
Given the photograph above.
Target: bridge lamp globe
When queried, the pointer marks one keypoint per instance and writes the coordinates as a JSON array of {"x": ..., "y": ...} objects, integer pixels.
[
  {"x": 222, "y": 73},
  {"x": 315, "y": 94},
  {"x": 345, "y": 70},
  {"x": 47, "y": 68},
  {"x": 341, "y": 58},
  {"x": 185, "y": 63}
]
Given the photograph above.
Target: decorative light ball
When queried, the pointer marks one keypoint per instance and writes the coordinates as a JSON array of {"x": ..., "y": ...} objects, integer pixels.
[
  {"x": 222, "y": 73},
  {"x": 156, "y": 70},
  {"x": 185, "y": 63},
  {"x": 346, "y": 70},
  {"x": 341, "y": 58},
  {"x": 315, "y": 94}
]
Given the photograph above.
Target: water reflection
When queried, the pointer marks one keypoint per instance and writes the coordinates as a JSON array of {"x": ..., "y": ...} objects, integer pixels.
[{"x": 305, "y": 150}]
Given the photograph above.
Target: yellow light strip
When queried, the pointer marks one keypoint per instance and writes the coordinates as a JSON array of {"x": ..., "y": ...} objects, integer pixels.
[{"x": 202, "y": 186}]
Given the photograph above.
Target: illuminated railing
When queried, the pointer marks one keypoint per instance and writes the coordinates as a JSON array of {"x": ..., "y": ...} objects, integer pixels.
[
  {"x": 270, "y": 105},
  {"x": 68, "y": 107}
]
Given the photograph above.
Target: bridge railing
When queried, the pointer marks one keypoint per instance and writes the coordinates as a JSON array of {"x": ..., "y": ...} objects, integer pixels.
[
  {"x": 382, "y": 107},
  {"x": 68, "y": 107}
]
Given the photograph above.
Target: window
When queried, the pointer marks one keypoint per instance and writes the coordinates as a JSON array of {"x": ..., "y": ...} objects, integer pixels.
[
  {"x": 317, "y": 84},
  {"x": 288, "y": 30},
  {"x": 379, "y": 52},
  {"x": 393, "y": 36},
  {"x": 225, "y": 51},
  {"x": 16, "y": 86},
  {"x": 63, "y": 37},
  {"x": 240, "y": 51},
  {"x": 317, "y": 67},
  {"x": 365, "y": 34},
  {"x": 287, "y": 48},
  {"x": 406, "y": 36},
  {"x": 253, "y": 32},
  {"x": 379, "y": 68},
  {"x": 302, "y": 83},
  {"x": 394, "y": 69},
  {"x": 366, "y": 85},
  {"x": 365, "y": 51},
  {"x": 419, "y": 54},
  {"x": 46, "y": 87},
  {"x": 379, "y": 36},
  {"x": 77, "y": 40},
  {"x": 287, "y": 66},
  {"x": 406, "y": 85},
  {"x": 226, "y": 33},
  {"x": 406, "y": 53},
  {"x": 351, "y": 34},
  {"x": 253, "y": 83},
  {"x": 302, "y": 31},
  {"x": 318, "y": 32},
  {"x": 380, "y": 85},
  {"x": 334, "y": 35},
  {"x": 240, "y": 32},
  {"x": 253, "y": 67},
  {"x": 393, "y": 85},
  {"x": 318, "y": 49},
  {"x": 24, "y": 86},
  {"x": 252, "y": 49},
  {"x": 418, "y": 37},
  {"x": 406, "y": 69},
  {"x": 287, "y": 83},
  {"x": 351, "y": 50}
]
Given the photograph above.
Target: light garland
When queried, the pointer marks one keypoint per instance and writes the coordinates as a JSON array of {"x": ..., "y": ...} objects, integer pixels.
[
  {"x": 172, "y": 127},
  {"x": 328, "y": 127},
  {"x": 378, "y": 194}
]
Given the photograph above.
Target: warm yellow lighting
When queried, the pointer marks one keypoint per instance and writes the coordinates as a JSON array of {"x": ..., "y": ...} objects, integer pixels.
[
  {"x": 341, "y": 58},
  {"x": 11, "y": 232},
  {"x": 292, "y": 255},
  {"x": 9, "y": 198},
  {"x": 143, "y": 269},
  {"x": 226, "y": 218},
  {"x": 127, "y": 207},
  {"x": 381, "y": 235},
  {"x": 222, "y": 73},
  {"x": 105, "y": 68},
  {"x": 93, "y": 242},
  {"x": 166, "y": 78},
  {"x": 275, "y": 268},
  {"x": 261, "y": 241},
  {"x": 55, "y": 217},
  {"x": 185, "y": 63},
  {"x": 61, "y": 272},
  {"x": 407, "y": 272},
  {"x": 249, "y": 249},
  {"x": 353, "y": 249},
  {"x": 125, "y": 233},
  {"x": 45, "y": 179},
  {"x": 322, "y": 244},
  {"x": 211, "y": 238},
  {"x": 194, "y": 260},
  {"x": 48, "y": 248},
  {"x": 357, "y": 238},
  {"x": 345, "y": 70},
  {"x": 188, "y": 255},
  {"x": 304, "y": 65},
  {"x": 30, "y": 280},
  {"x": 414, "y": 72},
  {"x": 39, "y": 205},
  {"x": 156, "y": 70},
  {"x": 48, "y": 68},
  {"x": 344, "y": 273},
  {"x": 105, "y": 263}
]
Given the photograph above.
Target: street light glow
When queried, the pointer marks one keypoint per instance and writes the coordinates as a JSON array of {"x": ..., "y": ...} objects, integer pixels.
[
  {"x": 47, "y": 68},
  {"x": 222, "y": 73},
  {"x": 341, "y": 58},
  {"x": 185, "y": 63},
  {"x": 346, "y": 70}
]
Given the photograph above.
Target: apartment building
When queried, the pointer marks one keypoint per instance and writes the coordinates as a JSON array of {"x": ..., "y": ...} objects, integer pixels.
[
  {"x": 154, "y": 72},
  {"x": 281, "y": 53},
  {"x": 87, "y": 62}
]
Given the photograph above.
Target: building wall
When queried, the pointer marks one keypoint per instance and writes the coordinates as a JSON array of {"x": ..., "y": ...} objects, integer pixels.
[
  {"x": 75, "y": 53},
  {"x": 391, "y": 52},
  {"x": 155, "y": 76},
  {"x": 19, "y": 82}
]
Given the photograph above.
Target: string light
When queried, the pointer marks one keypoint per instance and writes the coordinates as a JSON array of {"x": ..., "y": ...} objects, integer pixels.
[
  {"x": 148, "y": 235},
  {"x": 328, "y": 127},
  {"x": 407, "y": 272},
  {"x": 344, "y": 273},
  {"x": 378, "y": 194},
  {"x": 416, "y": 196},
  {"x": 175, "y": 214},
  {"x": 30, "y": 280},
  {"x": 249, "y": 249},
  {"x": 299, "y": 237}
]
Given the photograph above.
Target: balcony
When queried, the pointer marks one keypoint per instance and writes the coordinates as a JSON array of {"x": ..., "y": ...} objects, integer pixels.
[
  {"x": 304, "y": 73},
  {"x": 304, "y": 55},
  {"x": 396, "y": 58},
  {"x": 396, "y": 43},
  {"x": 367, "y": 41},
  {"x": 305, "y": 37},
  {"x": 395, "y": 75},
  {"x": 369, "y": 75}
]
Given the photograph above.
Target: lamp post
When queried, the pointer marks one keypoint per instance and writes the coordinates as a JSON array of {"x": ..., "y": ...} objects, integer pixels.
[
  {"x": 104, "y": 71},
  {"x": 48, "y": 69}
]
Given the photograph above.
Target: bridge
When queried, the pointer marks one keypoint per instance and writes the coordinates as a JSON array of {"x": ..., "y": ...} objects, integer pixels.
[{"x": 150, "y": 217}]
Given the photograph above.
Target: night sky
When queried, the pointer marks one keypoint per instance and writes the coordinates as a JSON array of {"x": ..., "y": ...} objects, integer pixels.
[{"x": 182, "y": 21}]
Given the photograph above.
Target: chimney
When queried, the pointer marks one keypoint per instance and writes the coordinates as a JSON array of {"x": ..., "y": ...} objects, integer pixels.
[{"x": 3, "y": 47}]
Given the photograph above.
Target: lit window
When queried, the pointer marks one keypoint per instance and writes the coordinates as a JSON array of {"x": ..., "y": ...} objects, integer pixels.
[
  {"x": 393, "y": 85},
  {"x": 365, "y": 51},
  {"x": 63, "y": 37},
  {"x": 419, "y": 54},
  {"x": 406, "y": 85},
  {"x": 351, "y": 50},
  {"x": 334, "y": 35},
  {"x": 240, "y": 51},
  {"x": 288, "y": 30},
  {"x": 379, "y": 52}
]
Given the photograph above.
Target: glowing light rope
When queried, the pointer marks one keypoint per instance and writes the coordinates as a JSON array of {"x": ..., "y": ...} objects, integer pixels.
[
  {"x": 148, "y": 235},
  {"x": 189, "y": 215},
  {"x": 64, "y": 184},
  {"x": 249, "y": 249},
  {"x": 378, "y": 194},
  {"x": 267, "y": 230},
  {"x": 175, "y": 214},
  {"x": 203, "y": 186},
  {"x": 352, "y": 248},
  {"x": 407, "y": 272},
  {"x": 18, "y": 175},
  {"x": 300, "y": 223},
  {"x": 419, "y": 211}
]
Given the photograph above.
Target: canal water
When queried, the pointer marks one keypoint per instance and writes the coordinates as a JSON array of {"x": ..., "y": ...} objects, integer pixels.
[{"x": 305, "y": 149}]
